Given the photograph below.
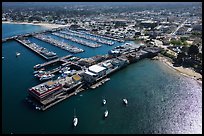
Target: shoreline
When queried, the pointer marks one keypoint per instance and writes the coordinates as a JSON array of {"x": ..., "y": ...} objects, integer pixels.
[
  {"x": 47, "y": 25},
  {"x": 183, "y": 71}
]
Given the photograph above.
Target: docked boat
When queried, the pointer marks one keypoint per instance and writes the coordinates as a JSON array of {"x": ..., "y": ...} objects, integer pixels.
[
  {"x": 37, "y": 108},
  {"x": 104, "y": 101},
  {"x": 37, "y": 66},
  {"x": 18, "y": 54},
  {"x": 106, "y": 113},
  {"x": 41, "y": 71},
  {"x": 125, "y": 101},
  {"x": 46, "y": 77}
]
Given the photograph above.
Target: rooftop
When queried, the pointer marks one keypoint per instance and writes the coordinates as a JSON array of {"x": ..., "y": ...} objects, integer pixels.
[{"x": 96, "y": 68}]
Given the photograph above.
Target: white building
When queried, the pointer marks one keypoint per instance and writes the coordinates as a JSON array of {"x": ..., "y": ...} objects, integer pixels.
[{"x": 93, "y": 73}]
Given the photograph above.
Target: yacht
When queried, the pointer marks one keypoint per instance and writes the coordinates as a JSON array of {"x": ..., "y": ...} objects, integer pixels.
[
  {"x": 104, "y": 101},
  {"x": 17, "y": 54},
  {"x": 106, "y": 113},
  {"x": 125, "y": 101}
]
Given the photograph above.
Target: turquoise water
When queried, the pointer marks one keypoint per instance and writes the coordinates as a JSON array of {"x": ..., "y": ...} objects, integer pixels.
[
  {"x": 160, "y": 99},
  {"x": 9, "y": 30}
]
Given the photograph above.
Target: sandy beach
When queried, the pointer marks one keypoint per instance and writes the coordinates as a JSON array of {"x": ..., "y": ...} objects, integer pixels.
[
  {"x": 47, "y": 25},
  {"x": 184, "y": 71}
]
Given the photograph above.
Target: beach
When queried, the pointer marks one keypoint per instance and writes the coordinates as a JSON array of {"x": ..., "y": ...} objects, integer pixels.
[
  {"x": 184, "y": 71},
  {"x": 47, "y": 25}
]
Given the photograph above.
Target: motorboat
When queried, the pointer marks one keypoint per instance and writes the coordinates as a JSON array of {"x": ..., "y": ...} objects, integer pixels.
[
  {"x": 106, "y": 113},
  {"x": 2, "y": 57},
  {"x": 104, "y": 101},
  {"x": 125, "y": 101}
]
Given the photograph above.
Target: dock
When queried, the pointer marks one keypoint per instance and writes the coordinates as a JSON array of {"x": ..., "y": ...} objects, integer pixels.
[
  {"x": 53, "y": 61},
  {"x": 62, "y": 45},
  {"x": 105, "y": 37},
  {"x": 36, "y": 51},
  {"x": 80, "y": 41},
  {"x": 88, "y": 37}
]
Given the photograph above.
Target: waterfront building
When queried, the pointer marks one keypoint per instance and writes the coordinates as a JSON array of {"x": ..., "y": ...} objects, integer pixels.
[
  {"x": 45, "y": 90},
  {"x": 93, "y": 73}
]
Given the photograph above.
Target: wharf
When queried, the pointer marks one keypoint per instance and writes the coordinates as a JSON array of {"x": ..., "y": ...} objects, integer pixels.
[
  {"x": 99, "y": 83},
  {"x": 62, "y": 96},
  {"x": 54, "y": 61},
  {"x": 26, "y": 45}
]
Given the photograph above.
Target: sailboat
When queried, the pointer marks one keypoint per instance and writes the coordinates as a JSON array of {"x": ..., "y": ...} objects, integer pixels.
[
  {"x": 104, "y": 101},
  {"x": 75, "y": 120},
  {"x": 106, "y": 113},
  {"x": 125, "y": 101}
]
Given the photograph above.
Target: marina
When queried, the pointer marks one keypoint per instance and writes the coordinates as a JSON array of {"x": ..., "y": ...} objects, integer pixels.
[
  {"x": 105, "y": 37},
  {"x": 80, "y": 41},
  {"x": 59, "y": 44},
  {"x": 106, "y": 90},
  {"x": 82, "y": 35}
]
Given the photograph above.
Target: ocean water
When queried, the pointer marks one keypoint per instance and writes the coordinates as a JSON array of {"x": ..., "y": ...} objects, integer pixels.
[
  {"x": 15, "y": 29},
  {"x": 160, "y": 100}
]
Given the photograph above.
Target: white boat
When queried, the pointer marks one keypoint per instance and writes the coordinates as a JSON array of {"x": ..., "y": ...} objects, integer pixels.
[
  {"x": 2, "y": 57},
  {"x": 75, "y": 120},
  {"x": 104, "y": 101},
  {"x": 106, "y": 113},
  {"x": 46, "y": 77},
  {"x": 125, "y": 101},
  {"x": 37, "y": 66},
  {"x": 37, "y": 108},
  {"x": 17, "y": 54}
]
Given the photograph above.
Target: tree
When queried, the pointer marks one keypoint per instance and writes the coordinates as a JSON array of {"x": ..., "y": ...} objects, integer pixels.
[{"x": 193, "y": 51}]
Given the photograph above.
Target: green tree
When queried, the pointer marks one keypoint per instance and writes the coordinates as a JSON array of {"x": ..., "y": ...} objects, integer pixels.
[{"x": 193, "y": 51}]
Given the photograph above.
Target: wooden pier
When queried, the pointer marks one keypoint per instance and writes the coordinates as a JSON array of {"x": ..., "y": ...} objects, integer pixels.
[{"x": 53, "y": 61}]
